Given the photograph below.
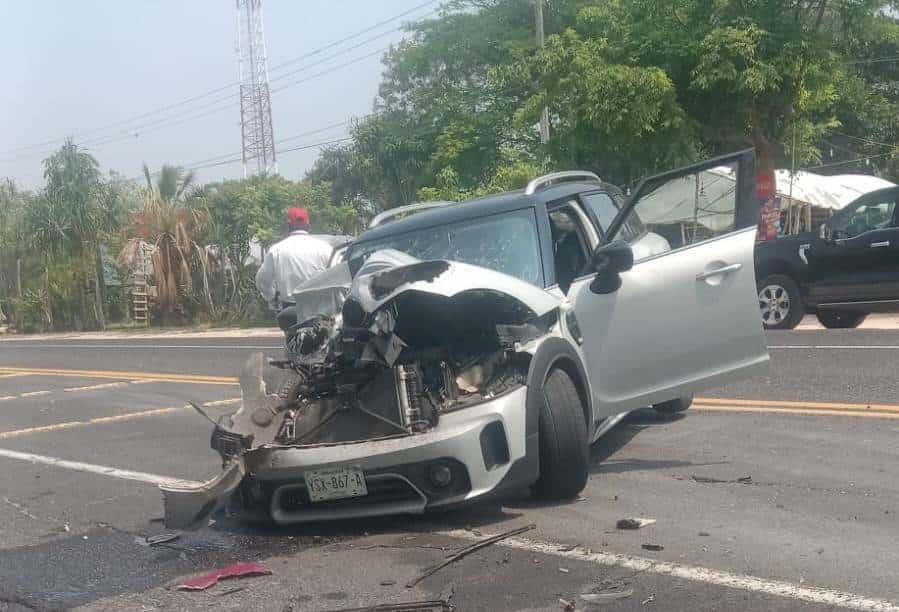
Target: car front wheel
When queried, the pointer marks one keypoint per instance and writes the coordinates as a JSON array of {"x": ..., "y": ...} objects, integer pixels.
[
  {"x": 780, "y": 302},
  {"x": 564, "y": 451},
  {"x": 841, "y": 320}
]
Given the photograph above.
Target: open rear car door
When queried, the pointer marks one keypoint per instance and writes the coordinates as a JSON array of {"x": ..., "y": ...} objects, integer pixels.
[{"x": 685, "y": 316}]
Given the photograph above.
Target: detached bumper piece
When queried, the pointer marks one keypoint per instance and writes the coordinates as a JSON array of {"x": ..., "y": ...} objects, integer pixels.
[{"x": 189, "y": 507}]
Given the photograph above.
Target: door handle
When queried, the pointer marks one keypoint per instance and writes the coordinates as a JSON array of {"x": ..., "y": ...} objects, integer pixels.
[
  {"x": 718, "y": 272},
  {"x": 877, "y": 245}
]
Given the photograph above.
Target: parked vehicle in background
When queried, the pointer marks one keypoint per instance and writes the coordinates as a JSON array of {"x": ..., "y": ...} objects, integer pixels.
[{"x": 849, "y": 269}]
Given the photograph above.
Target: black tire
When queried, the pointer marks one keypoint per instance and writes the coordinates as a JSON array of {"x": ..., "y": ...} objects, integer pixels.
[
  {"x": 833, "y": 319},
  {"x": 782, "y": 291},
  {"x": 674, "y": 406},
  {"x": 564, "y": 451}
]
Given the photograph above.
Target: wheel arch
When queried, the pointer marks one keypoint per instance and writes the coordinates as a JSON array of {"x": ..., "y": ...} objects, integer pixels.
[
  {"x": 554, "y": 353},
  {"x": 776, "y": 266}
]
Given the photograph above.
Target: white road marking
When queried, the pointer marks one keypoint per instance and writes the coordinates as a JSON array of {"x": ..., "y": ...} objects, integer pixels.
[
  {"x": 131, "y": 347},
  {"x": 224, "y": 402},
  {"x": 813, "y": 595},
  {"x": 34, "y": 393},
  {"x": 93, "y": 387},
  {"x": 7, "y": 397},
  {"x": 12, "y": 375},
  {"x": 116, "y": 418},
  {"x": 101, "y": 470},
  {"x": 836, "y": 346}
]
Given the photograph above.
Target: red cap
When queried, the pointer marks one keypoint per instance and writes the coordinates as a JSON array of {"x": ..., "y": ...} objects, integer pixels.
[{"x": 298, "y": 217}]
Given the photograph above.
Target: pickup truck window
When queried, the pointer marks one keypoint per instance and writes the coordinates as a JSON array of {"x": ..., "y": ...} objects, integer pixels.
[{"x": 863, "y": 217}]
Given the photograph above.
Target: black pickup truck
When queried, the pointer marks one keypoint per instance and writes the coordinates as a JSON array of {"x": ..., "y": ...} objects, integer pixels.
[{"x": 847, "y": 270}]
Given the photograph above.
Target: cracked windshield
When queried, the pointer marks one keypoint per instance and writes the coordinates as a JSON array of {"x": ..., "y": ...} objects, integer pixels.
[{"x": 449, "y": 305}]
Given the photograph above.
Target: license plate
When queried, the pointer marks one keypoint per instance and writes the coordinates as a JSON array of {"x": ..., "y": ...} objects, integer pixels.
[{"x": 335, "y": 483}]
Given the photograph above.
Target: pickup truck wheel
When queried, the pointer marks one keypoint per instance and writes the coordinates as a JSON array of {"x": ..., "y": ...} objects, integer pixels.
[
  {"x": 841, "y": 320},
  {"x": 674, "y": 406},
  {"x": 780, "y": 302},
  {"x": 564, "y": 452}
]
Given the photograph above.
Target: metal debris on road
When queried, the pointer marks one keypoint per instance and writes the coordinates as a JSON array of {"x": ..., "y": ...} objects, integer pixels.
[
  {"x": 467, "y": 551},
  {"x": 434, "y": 605},
  {"x": 566, "y": 605},
  {"x": 704, "y": 534},
  {"x": 633, "y": 523},
  {"x": 232, "y": 591},
  {"x": 650, "y": 599},
  {"x": 388, "y": 582},
  {"x": 162, "y": 538},
  {"x": 564, "y": 570},
  {"x": 598, "y": 598},
  {"x": 238, "y": 570},
  {"x": 710, "y": 480},
  {"x": 652, "y": 547}
]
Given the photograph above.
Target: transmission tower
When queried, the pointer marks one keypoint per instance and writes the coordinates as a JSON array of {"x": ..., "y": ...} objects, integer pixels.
[{"x": 256, "y": 132}]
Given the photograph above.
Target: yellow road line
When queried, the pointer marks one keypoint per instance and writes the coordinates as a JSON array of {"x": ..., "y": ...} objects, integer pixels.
[
  {"x": 123, "y": 375},
  {"x": 711, "y": 403},
  {"x": 12, "y": 375},
  {"x": 129, "y": 416},
  {"x": 798, "y": 411}
]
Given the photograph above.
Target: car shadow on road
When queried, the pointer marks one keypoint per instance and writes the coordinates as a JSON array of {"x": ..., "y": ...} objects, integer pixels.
[{"x": 602, "y": 453}]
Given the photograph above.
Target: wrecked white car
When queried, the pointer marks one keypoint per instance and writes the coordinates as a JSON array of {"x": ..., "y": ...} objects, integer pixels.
[{"x": 478, "y": 347}]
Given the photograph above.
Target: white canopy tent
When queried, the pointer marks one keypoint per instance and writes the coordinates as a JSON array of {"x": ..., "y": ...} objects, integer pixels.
[{"x": 705, "y": 201}]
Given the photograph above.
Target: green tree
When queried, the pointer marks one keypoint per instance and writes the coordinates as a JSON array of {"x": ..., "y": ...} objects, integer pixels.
[
  {"x": 68, "y": 221},
  {"x": 778, "y": 75}
]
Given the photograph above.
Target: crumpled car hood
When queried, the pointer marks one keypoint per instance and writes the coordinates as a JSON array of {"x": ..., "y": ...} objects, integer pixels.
[{"x": 387, "y": 273}]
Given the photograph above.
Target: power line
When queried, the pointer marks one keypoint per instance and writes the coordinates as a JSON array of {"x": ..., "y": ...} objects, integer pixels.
[
  {"x": 849, "y": 161},
  {"x": 234, "y": 157},
  {"x": 180, "y": 118},
  {"x": 867, "y": 140},
  {"x": 167, "y": 107}
]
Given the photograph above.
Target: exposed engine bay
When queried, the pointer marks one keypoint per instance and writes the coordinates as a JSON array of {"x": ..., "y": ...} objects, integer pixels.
[
  {"x": 380, "y": 352},
  {"x": 390, "y": 361}
]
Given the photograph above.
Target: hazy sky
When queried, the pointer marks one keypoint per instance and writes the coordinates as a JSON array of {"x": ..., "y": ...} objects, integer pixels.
[{"x": 72, "y": 66}]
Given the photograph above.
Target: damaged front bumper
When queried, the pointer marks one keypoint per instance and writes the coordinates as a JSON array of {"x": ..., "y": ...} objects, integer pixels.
[{"x": 485, "y": 448}]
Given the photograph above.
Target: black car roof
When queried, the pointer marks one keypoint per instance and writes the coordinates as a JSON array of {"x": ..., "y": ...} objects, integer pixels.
[{"x": 479, "y": 207}]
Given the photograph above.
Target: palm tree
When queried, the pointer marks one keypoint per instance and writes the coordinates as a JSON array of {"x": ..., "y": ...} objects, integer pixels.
[
  {"x": 170, "y": 220},
  {"x": 172, "y": 183}
]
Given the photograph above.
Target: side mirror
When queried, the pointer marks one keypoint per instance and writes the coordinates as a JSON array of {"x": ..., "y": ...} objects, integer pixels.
[{"x": 609, "y": 261}]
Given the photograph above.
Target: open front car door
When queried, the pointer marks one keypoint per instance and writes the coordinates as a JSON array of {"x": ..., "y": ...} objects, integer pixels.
[{"x": 670, "y": 303}]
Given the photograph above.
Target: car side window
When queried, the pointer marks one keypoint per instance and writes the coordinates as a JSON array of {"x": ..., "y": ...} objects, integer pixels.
[
  {"x": 683, "y": 210},
  {"x": 864, "y": 217},
  {"x": 606, "y": 207},
  {"x": 570, "y": 253}
]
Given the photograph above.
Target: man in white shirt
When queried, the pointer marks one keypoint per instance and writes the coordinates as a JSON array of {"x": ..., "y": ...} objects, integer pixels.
[{"x": 291, "y": 262}]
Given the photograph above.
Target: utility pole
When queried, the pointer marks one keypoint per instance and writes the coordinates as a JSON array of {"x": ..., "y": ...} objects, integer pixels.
[
  {"x": 544, "y": 114},
  {"x": 256, "y": 132}
]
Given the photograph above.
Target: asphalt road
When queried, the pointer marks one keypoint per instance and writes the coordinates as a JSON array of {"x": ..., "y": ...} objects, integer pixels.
[{"x": 775, "y": 493}]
